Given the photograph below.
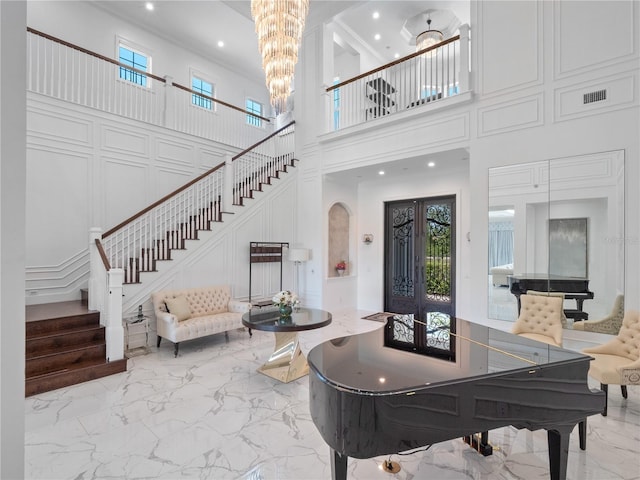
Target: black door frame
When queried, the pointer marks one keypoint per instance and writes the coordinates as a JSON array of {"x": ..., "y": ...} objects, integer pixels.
[{"x": 412, "y": 226}]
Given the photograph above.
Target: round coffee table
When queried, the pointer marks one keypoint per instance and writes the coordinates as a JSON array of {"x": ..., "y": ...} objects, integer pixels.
[{"x": 287, "y": 362}]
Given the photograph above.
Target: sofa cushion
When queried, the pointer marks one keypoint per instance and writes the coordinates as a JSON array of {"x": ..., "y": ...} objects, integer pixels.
[{"x": 178, "y": 306}]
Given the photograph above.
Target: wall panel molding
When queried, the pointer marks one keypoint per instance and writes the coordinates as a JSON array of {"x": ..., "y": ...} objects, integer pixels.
[
  {"x": 504, "y": 117},
  {"x": 517, "y": 44},
  {"x": 619, "y": 92},
  {"x": 577, "y": 50}
]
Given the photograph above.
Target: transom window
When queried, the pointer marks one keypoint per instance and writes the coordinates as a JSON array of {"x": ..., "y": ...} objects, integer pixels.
[
  {"x": 134, "y": 59},
  {"x": 255, "y": 108},
  {"x": 203, "y": 87}
]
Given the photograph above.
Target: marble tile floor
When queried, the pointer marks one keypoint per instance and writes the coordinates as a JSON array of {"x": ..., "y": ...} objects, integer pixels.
[{"x": 209, "y": 415}]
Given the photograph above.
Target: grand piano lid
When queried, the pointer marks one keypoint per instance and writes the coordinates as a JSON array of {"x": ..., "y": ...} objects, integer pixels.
[{"x": 362, "y": 363}]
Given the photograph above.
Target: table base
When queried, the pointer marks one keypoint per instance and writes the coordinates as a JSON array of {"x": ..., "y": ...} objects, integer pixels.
[{"x": 287, "y": 362}]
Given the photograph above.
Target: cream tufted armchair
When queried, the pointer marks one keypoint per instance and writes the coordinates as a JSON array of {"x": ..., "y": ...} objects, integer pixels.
[
  {"x": 540, "y": 319},
  {"x": 617, "y": 362},
  {"x": 552, "y": 294},
  {"x": 610, "y": 324}
]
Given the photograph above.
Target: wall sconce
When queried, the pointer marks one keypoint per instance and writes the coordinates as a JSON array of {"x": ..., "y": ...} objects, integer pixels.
[{"x": 367, "y": 238}]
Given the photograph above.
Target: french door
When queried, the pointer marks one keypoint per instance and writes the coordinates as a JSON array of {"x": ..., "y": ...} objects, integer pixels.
[{"x": 420, "y": 256}]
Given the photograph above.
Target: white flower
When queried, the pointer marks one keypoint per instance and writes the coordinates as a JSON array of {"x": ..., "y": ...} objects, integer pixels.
[{"x": 285, "y": 297}]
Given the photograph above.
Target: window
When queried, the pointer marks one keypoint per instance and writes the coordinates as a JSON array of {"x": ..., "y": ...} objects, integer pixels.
[
  {"x": 134, "y": 59},
  {"x": 203, "y": 87},
  {"x": 256, "y": 109}
]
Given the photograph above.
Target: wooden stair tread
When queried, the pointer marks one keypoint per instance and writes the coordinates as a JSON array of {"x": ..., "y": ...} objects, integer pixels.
[
  {"x": 53, "y": 351},
  {"x": 72, "y": 376},
  {"x": 63, "y": 332},
  {"x": 47, "y": 311}
]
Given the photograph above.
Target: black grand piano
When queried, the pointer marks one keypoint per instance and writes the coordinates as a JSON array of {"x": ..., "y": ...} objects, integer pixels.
[
  {"x": 368, "y": 399},
  {"x": 576, "y": 288}
]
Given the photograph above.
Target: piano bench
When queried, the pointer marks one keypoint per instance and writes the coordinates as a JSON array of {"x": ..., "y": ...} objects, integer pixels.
[{"x": 577, "y": 315}]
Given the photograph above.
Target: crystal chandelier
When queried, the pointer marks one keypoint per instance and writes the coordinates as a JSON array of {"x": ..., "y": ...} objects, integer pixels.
[
  {"x": 428, "y": 38},
  {"x": 279, "y": 25}
]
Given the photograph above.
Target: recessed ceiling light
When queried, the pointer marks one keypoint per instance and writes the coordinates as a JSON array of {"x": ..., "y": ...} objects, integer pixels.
[
  {"x": 149, "y": 6},
  {"x": 431, "y": 164},
  {"x": 381, "y": 172},
  {"x": 220, "y": 43},
  {"x": 377, "y": 36},
  {"x": 376, "y": 15},
  {"x": 396, "y": 55}
]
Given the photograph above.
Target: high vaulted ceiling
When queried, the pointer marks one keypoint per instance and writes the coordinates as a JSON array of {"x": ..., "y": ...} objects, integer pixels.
[{"x": 200, "y": 25}]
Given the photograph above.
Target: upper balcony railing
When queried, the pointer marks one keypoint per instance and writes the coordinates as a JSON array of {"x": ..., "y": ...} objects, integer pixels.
[
  {"x": 71, "y": 73},
  {"x": 429, "y": 75}
]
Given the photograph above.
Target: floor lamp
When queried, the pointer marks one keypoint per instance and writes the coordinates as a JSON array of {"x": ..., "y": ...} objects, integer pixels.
[{"x": 297, "y": 256}]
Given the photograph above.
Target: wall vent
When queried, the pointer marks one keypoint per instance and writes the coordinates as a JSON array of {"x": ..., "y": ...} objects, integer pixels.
[{"x": 596, "y": 96}]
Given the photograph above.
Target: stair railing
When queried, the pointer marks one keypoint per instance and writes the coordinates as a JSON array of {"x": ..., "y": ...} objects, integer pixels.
[
  {"x": 138, "y": 243},
  {"x": 258, "y": 164}
]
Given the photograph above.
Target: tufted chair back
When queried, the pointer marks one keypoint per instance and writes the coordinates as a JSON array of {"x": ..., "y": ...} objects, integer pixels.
[{"x": 540, "y": 318}]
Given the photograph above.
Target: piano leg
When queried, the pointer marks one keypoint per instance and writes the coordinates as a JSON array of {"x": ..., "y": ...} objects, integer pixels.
[
  {"x": 338, "y": 466},
  {"x": 582, "y": 432},
  {"x": 558, "y": 441}
]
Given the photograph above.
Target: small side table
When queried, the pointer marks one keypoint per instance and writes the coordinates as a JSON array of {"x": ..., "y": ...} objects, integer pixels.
[{"x": 136, "y": 340}]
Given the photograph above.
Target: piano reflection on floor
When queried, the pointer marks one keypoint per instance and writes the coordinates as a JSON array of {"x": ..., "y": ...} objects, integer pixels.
[
  {"x": 574, "y": 288},
  {"x": 371, "y": 398}
]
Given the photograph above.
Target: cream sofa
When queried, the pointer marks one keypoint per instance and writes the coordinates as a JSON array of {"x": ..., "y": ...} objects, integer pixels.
[
  {"x": 500, "y": 274},
  {"x": 196, "y": 312}
]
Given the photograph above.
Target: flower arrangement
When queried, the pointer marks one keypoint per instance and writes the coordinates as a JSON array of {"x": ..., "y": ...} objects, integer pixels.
[
  {"x": 341, "y": 265},
  {"x": 285, "y": 297}
]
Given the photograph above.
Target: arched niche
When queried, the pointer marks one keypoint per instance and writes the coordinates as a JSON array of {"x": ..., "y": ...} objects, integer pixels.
[{"x": 339, "y": 227}]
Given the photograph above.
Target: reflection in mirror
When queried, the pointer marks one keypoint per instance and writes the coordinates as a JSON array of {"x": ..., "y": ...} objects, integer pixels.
[{"x": 557, "y": 226}]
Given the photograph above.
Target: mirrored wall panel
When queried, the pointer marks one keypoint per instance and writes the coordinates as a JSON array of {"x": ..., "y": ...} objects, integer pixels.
[{"x": 557, "y": 226}]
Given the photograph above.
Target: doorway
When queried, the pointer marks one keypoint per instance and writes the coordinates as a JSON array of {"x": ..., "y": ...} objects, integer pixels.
[{"x": 420, "y": 256}]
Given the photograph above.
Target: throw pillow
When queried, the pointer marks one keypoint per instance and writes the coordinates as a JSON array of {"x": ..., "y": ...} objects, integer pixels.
[{"x": 178, "y": 306}]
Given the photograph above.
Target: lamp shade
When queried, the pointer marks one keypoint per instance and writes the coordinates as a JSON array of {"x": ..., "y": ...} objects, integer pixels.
[{"x": 298, "y": 254}]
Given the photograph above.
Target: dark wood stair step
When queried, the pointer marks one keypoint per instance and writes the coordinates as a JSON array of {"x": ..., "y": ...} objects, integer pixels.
[
  {"x": 68, "y": 359},
  {"x": 64, "y": 341},
  {"x": 54, "y": 317},
  {"x": 71, "y": 376}
]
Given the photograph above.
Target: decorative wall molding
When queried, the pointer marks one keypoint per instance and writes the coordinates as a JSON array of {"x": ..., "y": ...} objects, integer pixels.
[
  {"x": 510, "y": 54},
  {"x": 397, "y": 142},
  {"x": 58, "y": 282},
  {"x": 619, "y": 92},
  {"x": 577, "y": 50},
  {"x": 57, "y": 127},
  {"x": 176, "y": 152},
  {"x": 126, "y": 141},
  {"x": 505, "y": 117}
]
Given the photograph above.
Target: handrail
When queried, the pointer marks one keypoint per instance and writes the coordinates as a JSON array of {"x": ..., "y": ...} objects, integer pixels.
[
  {"x": 162, "y": 200},
  {"x": 187, "y": 89},
  {"x": 263, "y": 140},
  {"x": 395, "y": 62},
  {"x": 103, "y": 255},
  {"x": 141, "y": 72},
  {"x": 93, "y": 54}
]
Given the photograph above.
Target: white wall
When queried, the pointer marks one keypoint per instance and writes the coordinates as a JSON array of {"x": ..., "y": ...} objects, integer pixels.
[
  {"x": 12, "y": 223},
  {"x": 526, "y": 106}
]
